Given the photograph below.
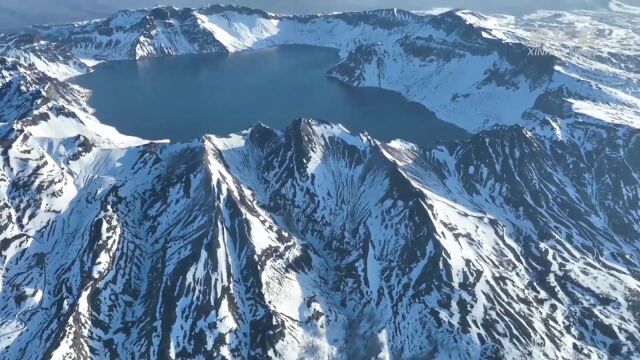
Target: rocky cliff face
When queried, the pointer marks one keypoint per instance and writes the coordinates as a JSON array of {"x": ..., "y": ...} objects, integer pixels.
[{"x": 311, "y": 242}]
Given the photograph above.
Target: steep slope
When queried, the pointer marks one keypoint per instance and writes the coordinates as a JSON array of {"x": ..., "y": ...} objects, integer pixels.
[
  {"x": 136, "y": 34},
  {"x": 570, "y": 217}
]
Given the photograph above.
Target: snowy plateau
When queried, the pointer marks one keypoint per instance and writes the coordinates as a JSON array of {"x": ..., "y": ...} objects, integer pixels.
[{"x": 311, "y": 242}]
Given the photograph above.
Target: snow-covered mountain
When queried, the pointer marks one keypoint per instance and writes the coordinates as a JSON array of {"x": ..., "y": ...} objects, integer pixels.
[{"x": 311, "y": 242}]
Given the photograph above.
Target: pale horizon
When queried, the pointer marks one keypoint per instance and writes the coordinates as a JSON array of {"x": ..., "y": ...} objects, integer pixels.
[{"x": 15, "y": 14}]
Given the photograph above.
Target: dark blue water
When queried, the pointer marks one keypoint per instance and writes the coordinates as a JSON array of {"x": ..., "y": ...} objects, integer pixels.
[{"x": 184, "y": 97}]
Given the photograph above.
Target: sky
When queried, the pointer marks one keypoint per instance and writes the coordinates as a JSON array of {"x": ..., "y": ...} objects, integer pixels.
[{"x": 15, "y": 14}]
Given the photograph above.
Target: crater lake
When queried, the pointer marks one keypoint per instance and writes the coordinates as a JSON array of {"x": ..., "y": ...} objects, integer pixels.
[{"x": 183, "y": 97}]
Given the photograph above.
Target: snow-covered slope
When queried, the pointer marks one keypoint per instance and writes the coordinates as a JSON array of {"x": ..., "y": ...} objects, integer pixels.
[
  {"x": 624, "y": 8},
  {"x": 311, "y": 242}
]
